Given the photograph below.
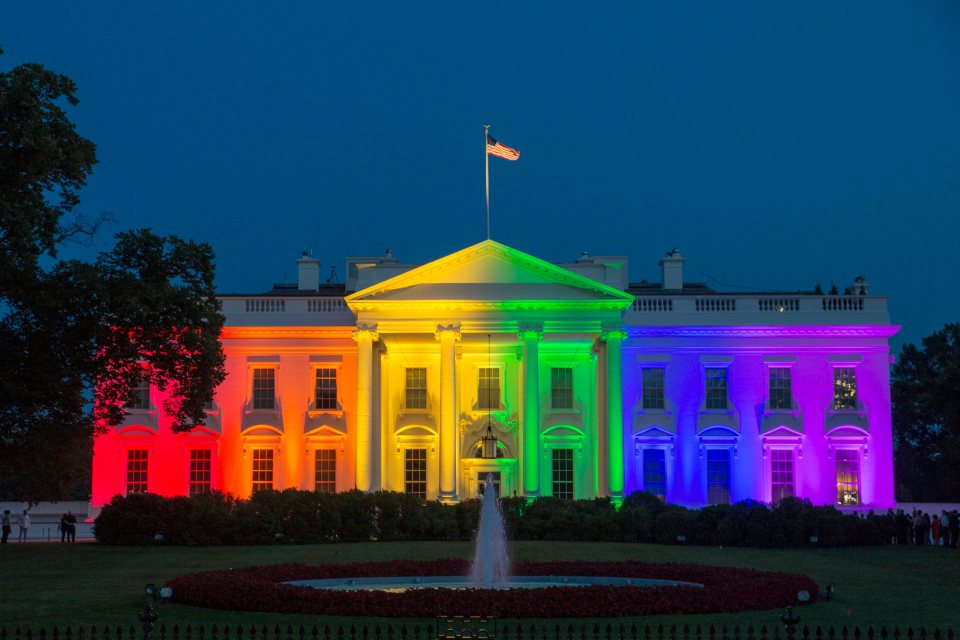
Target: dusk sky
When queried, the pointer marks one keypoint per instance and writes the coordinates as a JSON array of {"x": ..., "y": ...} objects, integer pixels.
[{"x": 777, "y": 144}]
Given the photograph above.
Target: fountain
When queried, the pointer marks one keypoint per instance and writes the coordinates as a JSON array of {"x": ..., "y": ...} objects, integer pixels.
[{"x": 491, "y": 560}]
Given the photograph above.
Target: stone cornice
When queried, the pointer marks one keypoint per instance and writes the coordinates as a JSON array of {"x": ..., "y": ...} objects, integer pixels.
[
  {"x": 860, "y": 331},
  {"x": 239, "y": 333}
]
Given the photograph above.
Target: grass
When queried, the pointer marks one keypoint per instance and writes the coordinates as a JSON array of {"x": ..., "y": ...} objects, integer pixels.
[{"x": 88, "y": 584}]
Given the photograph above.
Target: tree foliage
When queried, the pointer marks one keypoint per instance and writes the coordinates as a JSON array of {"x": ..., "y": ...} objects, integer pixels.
[
  {"x": 75, "y": 335},
  {"x": 926, "y": 417}
]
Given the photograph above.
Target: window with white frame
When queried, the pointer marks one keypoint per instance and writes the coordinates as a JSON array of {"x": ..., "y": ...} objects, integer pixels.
[
  {"x": 262, "y": 475},
  {"x": 562, "y": 473},
  {"x": 200, "y": 463},
  {"x": 325, "y": 471},
  {"x": 655, "y": 472},
  {"x": 325, "y": 389},
  {"x": 488, "y": 388},
  {"x": 718, "y": 476},
  {"x": 561, "y": 388},
  {"x": 716, "y": 387},
  {"x": 844, "y": 388},
  {"x": 415, "y": 472},
  {"x": 654, "y": 396},
  {"x": 140, "y": 394},
  {"x": 848, "y": 477},
  {"x": 416, "y": 388},
  {"x": 781, "y": 392},
  {"x": 264, "y": 388},
  {"x": 137, "y": 465},
  {"x": 781, "y": 474}
]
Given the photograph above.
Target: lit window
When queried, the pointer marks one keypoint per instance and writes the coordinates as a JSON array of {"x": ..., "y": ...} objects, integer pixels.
[
  {"x": 844, "y": 388},
  {"x": 325, "y": 471},
  {"x": 262, "y": 469},
  {"x": 781, "y": 395},
  {"x": 848, "y": 477},
  {"x": 199, "y": 471},
  {"x": 416, "y": 389},
  {"x": 264, "y": 394},
  {"x": 653, "y": 388},
  {"x": 563, "y": 473},
  {"x": 655, "y": 472},
  {"x": 781, "y": 474},
  {"x": 325, "y": 390},
  {"x": 488, "y": 388},
  {"x": 718, "y": 476},
  {"x": 136, "y": 471},
  {"x": 716, "y": 383},
  {"x": 140, "y": 394},
  {"x": 561, "y": 388},
  {"x": 415, "y": 472}
]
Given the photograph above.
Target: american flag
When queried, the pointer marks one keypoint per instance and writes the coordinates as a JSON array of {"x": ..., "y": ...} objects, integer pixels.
[{"x": 500, "y": 150}]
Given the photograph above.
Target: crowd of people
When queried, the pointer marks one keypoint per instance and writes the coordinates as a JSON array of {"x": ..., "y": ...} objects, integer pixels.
[
  {"x": 921, "y": 528},
  {"x": 67, "y": 526}
]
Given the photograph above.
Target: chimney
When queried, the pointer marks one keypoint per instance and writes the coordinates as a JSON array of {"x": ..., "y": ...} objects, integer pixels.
[
  {"x": 308, "y": 273},
  {"x": 671, "y": 270}
]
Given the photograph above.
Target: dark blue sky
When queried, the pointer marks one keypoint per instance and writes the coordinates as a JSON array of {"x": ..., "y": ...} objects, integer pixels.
[{"x": 776, "y": 144}]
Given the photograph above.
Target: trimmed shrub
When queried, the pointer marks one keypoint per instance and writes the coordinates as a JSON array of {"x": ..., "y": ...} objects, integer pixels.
[{"x": 307, "y": 517}]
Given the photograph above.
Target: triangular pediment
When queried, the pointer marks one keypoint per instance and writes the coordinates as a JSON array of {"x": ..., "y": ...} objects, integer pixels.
[{"x": 490, "y": 273}]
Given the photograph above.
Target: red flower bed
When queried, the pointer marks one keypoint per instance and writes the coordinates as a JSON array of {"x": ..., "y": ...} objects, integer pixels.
[{"x": 263, "y": 589}]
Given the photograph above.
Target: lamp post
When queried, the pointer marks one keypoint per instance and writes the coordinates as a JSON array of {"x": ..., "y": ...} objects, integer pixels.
[{"x": 155, "y": 597}]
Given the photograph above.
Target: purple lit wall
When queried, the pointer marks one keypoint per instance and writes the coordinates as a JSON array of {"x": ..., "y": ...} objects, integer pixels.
[{"x": 809, "y": 433}]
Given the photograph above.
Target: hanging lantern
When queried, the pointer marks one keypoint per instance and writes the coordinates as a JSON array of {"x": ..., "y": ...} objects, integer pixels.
[{"x": 488, "y": 447}]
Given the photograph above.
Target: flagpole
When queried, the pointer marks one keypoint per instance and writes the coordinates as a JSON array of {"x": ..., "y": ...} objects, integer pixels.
[{"x": 486, "y": 157}]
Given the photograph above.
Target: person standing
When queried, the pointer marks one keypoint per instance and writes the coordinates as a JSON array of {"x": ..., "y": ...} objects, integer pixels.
[
  {"x": 63, "y": 528},
  {"x": 6, "y": 526},
  {"x": 24, "y": 527},
  {"x": 954, "y": 528},
  {"x": 71, "y": 523}
]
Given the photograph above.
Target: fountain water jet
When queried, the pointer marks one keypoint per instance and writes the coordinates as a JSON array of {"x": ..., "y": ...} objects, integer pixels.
[{"x": 491, "y": 560}]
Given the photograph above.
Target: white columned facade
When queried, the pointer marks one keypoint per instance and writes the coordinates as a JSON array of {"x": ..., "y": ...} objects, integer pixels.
[
  {"x": 448, "y": 336},
  {"x": 365, "y": 337},
  {"x": 531, "y": 336}
]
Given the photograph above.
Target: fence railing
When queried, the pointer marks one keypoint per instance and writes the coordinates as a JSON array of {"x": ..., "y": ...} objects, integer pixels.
[{"x": 503, "y": 631}]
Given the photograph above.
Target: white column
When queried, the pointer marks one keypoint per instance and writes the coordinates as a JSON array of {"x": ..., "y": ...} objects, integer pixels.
[
  {"x": 531, "y": 336},
  {"x": 365, "y": 337},
  {"x": 448, "y": 337}
]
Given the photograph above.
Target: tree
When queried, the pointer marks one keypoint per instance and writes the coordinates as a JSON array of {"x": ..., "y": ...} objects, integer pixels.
[
  {"x": 926, "y": 417},
  {"x": 76, "y": 336}
]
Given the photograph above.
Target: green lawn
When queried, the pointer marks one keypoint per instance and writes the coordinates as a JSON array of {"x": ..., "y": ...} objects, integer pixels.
[{"x": 52, "y": 584}]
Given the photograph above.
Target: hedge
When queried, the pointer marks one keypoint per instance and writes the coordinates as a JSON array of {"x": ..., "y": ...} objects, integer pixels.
[{"x": 307, "y": 517}]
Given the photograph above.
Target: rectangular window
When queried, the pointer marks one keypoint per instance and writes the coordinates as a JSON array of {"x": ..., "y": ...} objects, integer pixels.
[
  {"x": 781, "y": 474},
  {"x": 653, "y": 389},
  {"x": 325, "y": 471},
  {"x": 655, "y": 472},
  {"x": 561, "y": 388},
  {"x": 781, "y": 395},
  {"x": 200, "y": 460},
  {"x": 415, "y": 472},
  {"x": 488, "y": 388},
  {"x": 416, "y": 396},
  {"x": 844, "y": 388},
  {"x": 262, "y": 469},
  {"x": 325, "y": 389},
  {"x": 140, "y": 394},
  {"x": 848, "y": 477},
  {"x": 136, "y": 471},
  {"x": 264, "y": 388},
  {"x": 716, "y": 381},
  {"x": 563, "y": 473},
  {"x": 718, "y": 476}
]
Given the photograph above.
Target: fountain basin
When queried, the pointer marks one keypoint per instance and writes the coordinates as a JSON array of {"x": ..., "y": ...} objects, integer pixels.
[{"x": 402, "y": 584}]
